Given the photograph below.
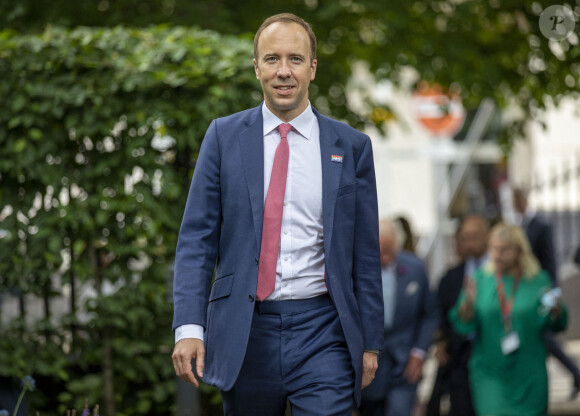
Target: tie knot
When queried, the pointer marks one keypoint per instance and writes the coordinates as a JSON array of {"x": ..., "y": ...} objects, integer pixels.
[{"x": 284, "y": 129}]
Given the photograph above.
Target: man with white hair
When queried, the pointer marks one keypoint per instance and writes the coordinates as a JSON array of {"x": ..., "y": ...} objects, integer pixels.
[{"x": 410, "y": 319}]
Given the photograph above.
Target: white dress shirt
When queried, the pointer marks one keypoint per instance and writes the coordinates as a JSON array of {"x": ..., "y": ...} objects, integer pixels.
[
  {"x": 300, "y": 264},
  {"x": 472, "y": 264},
  {"x": 524, "y": 219},
  {"x": 389, "y": 274}
]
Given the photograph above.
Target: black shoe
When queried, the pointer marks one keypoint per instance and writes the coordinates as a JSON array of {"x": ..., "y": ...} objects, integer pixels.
[{"x": 575, "y": 389}]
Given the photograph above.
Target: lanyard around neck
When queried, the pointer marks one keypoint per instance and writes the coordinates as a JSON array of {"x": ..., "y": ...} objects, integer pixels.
[{"x": 506, "y": 305}]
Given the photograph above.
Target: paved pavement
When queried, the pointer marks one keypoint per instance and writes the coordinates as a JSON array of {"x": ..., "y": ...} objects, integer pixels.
[
  {"x": 560, "y": 380},
  {"x": 561, "y": 383}
]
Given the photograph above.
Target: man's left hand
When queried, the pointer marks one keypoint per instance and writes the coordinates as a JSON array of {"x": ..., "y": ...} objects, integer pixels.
[
  {"x": 370, "y": 365},
  {"x": 414, "y": 369}
]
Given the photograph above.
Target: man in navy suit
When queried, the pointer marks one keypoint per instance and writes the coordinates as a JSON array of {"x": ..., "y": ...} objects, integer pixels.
[
  {"x": 312, "y": 337},
  {"x": 410, "y": 319}
]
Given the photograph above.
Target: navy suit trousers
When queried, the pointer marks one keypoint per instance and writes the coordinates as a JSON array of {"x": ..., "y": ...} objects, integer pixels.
[
  {"x": 297, "y": 353},
  {"x": 399, "y": 401}
]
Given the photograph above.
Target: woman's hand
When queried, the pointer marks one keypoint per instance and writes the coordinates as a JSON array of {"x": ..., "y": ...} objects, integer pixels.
[
  {"x": 470, "y": 289},
  {"x": 556, "y": 310},
  {"x": 466, "y": 310}
]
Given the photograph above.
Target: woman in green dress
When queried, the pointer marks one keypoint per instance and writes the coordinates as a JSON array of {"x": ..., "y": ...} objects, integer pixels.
[{"x": 501, "y": 306}]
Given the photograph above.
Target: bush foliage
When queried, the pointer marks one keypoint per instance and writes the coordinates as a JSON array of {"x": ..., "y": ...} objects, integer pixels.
[{"x": 100, "y": 130}]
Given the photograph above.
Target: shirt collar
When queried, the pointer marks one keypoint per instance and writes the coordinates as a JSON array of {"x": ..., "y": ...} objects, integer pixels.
[
  {"x": 390, "y": 268},
  {"x": 528, "y": 215},
  {"x": 478, "y": 261},
  {"x": 302, "y": 124},
  {"x": 522, "y": 219}
]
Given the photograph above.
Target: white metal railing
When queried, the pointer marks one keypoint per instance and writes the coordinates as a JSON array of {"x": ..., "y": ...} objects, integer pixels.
[{"x": 449, "y": 188}]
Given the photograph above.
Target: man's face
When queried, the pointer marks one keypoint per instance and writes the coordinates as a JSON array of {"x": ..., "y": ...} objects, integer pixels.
[
  {"x": 520, "y": 202},
  {"x": 284, "y": 68},
  {"x": 473, "y": 238},
  {"x": 388, "y": 249}
]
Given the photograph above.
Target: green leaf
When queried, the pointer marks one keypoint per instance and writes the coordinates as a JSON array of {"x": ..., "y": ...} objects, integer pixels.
[
  {"x": 18, "y": 103},
  {"x": 20, "y": 145},
  {"x": 35, "y": 134},
  {"x": 79, "y": 247}
]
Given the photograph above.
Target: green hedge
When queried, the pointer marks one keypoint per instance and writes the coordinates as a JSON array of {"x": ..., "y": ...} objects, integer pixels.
[{"x": 99, "y": 133}]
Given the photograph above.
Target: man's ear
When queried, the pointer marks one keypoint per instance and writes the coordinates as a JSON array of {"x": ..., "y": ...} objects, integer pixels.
[
  {"x": 256, "y": 68},
  {"x": 313, "y": 66}
]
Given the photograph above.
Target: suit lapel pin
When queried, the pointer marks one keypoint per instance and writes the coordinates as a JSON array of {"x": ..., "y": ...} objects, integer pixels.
[
  {"x": 411, "y": 288},
  {"x": 336, "y": 158}
]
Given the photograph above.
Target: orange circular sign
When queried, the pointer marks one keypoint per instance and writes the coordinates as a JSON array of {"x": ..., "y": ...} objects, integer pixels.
[{"x": 440, "y": 113}]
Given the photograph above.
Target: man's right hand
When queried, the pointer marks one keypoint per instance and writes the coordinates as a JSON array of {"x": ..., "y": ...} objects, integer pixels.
[
  {"x": 441, "y": 353},
  {"x": 186, "y": 350}
]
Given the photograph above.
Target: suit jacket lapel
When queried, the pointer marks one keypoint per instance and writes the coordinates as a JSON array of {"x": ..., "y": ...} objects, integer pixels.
[
  {"x": 402, "y": 279},
  {"x": 329, "y": 145},
  {"x": 252, "y": 151}
]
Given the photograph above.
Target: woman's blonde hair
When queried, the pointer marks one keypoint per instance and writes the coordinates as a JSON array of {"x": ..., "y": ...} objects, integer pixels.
[{"x": 515, "y": 236}]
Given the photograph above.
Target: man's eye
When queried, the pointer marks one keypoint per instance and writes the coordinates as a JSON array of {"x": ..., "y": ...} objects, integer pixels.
[{"x": 271, "y": 59}]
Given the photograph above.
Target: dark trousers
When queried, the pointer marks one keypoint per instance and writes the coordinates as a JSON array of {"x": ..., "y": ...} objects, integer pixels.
[
  {"x": 555, "y": 349},
  {"x": 452, "y": 380},
  {"x": 460, "y": 392},
  {"x": 440, "y": 389},
  {"x": 399, "y": 402},
  {"x": 296, "y": 353}
]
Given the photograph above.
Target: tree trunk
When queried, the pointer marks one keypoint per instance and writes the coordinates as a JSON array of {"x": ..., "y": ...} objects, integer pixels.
[
  {"x": 108, "y": 379},
  {"x": 107, "y": 358}
]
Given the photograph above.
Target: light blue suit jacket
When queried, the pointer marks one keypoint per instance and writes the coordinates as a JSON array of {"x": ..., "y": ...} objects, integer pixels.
[{"x": 222, "y": 225}]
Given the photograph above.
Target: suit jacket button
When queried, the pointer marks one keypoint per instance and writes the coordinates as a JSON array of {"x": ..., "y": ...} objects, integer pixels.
[
  {"x": 256, "y": 260},
  {"x": 251, "y": 298}
]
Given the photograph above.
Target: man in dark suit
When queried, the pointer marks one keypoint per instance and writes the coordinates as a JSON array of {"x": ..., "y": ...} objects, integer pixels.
[
  {"x": 539, "y": 235},
  {"x": 453, "y": 349},
  {"x": 538, "y": 231},
  {"x": 284, "y": 200},
  {"x": 410, "y": 319}
]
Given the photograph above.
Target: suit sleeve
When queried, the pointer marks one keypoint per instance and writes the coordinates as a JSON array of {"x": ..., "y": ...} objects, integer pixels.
[
  {"x": 548, "y": 258},
  {"x": 442, "y": 293},
  {"x": 430, "y": 318},
  {"x": 366, "y": 263},
  {"x": 197, "y": 244}
]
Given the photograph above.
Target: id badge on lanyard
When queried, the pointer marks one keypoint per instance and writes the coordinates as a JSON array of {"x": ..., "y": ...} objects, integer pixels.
[{"x": 510, "y": 342}]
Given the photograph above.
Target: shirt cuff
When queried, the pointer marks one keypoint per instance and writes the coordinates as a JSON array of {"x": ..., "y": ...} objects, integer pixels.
[
  {"x": 419, "y": 353},
  {"x": 188, "y": 331},
  {"x": 375, "y": 351}
]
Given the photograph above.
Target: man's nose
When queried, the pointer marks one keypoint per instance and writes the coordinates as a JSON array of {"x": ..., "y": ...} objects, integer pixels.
[{"x": 284, "y": 69}]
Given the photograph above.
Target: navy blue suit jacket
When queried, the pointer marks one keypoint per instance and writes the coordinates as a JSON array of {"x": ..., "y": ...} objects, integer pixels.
[
  {"x": 414, "y": 323},
  {"x": 222, "y": 229},
  {"x": 539, "y": 235}
]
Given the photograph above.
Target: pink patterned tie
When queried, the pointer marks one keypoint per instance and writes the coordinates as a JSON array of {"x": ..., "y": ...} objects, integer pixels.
[{"x": 273, "y": 217}]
